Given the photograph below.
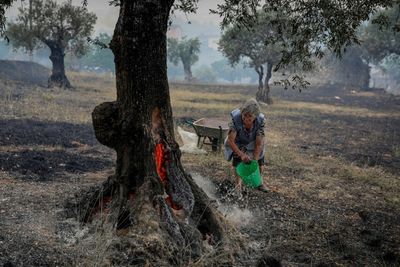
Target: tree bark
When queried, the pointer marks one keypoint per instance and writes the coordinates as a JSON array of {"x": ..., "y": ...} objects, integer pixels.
[
  {"x": 188, "y": 72},
  {"x": 263, "y": 93},
  {"x": 58, "y": 77},
  {"x": 366, "y": 78},
  {"x": 260, "y": 71},
  {"x": 138, "y": 125}
]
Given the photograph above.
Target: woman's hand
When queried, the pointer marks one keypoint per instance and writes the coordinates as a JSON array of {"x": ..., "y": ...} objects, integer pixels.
[{"x": 244, "y": 157}]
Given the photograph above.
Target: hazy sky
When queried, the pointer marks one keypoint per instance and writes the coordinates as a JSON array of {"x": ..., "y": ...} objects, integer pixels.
[{"x": 107, "y": 15}]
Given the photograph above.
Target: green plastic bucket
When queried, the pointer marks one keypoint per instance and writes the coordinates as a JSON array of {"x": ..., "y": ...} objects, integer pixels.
[{"x": 250, "y": 173}]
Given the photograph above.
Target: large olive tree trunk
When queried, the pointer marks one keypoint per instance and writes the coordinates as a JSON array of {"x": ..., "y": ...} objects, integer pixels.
[
  {"x": 263, "y": 92},
  {"x": 58, "y": 77},
  {"x": 150, "y": 192}
]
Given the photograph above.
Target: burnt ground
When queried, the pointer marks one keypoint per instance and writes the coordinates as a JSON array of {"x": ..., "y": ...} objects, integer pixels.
[
  {"x": 47, "y": 150},
  {"x": 319, "y": 213},
  {"x": 42, "y": 164}
]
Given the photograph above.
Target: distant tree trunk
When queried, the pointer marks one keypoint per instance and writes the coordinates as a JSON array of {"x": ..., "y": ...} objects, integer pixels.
[
  {"x": 58, "y": 77},
  {"x": 138, "y": 125},
  {"x": 188, "y": 71},
  {"x": 366, "y": 78},
  {"x": 263, "y": 93},
  {"x": 260, "y": 72}
]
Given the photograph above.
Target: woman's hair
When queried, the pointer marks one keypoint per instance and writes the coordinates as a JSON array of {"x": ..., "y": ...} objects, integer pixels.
[{"x": 251, "y": 106}]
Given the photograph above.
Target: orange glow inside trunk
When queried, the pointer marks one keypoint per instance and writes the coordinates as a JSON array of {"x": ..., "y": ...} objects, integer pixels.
[{"x": 162, "y": 160}]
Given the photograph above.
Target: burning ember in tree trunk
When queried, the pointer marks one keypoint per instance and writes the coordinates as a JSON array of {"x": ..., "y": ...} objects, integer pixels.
[{"x": 162, "y": 161}]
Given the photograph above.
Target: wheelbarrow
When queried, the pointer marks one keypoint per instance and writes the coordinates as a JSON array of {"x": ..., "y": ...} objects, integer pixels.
[{"x": 212, "y": 129}]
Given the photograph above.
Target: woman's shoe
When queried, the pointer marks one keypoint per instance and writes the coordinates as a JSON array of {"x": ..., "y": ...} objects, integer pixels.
[{"x": 263, "y": 188}]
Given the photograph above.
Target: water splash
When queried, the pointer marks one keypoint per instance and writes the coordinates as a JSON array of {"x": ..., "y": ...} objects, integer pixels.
[
  {"x": 208, "y": 187},
  {"x": 240, "y": 216}
]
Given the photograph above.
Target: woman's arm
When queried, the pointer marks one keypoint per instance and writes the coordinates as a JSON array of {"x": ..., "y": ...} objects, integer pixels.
[{"x": 231, "y": 142}]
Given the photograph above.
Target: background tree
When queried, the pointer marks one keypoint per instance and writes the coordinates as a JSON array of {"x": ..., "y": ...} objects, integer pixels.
[
  {"x": 186, "y": 51},
  {"x": 351, "y": 69},
  {"x": 390, "y": 66},
  {"x": 98, "y": 57},
  {"x": 379, "y": 41},
  {"x": 62, "y": 28},
  {"x": 139, "y": 126},
  {"x": 238, "y": 42}
]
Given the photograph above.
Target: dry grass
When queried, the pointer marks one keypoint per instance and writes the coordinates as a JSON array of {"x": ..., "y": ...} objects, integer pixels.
[
  {"x": 287, "y": 107},
  {"x": 186, "y": 95},
  {"x": 201, "y": 104},
  {"x": 55, "y": 104},
  {"x": 349, "y": 129}
]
